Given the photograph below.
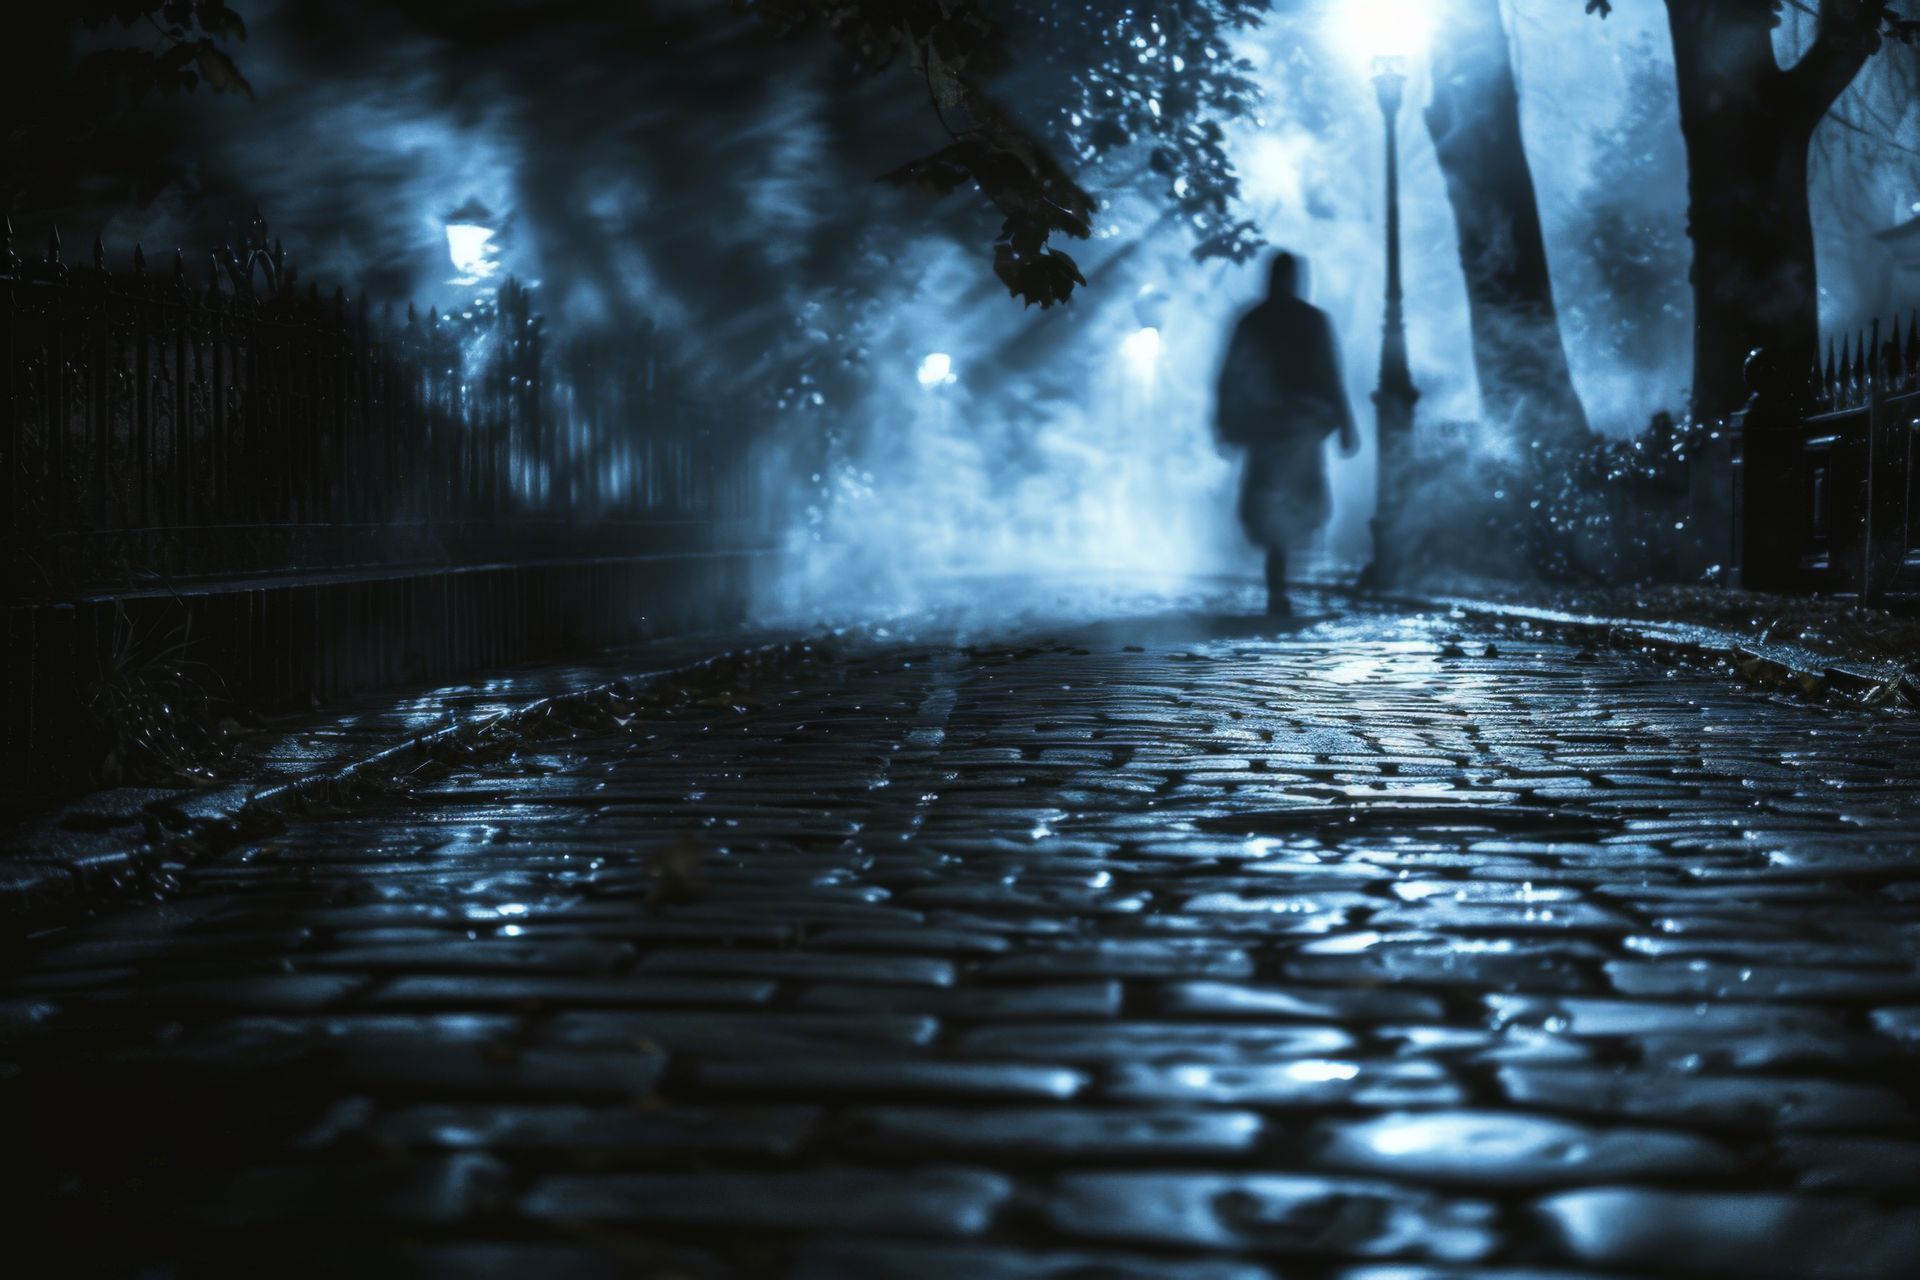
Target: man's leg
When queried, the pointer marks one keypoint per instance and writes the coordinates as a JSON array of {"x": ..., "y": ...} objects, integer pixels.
[{"x": 1278, "y": 606}]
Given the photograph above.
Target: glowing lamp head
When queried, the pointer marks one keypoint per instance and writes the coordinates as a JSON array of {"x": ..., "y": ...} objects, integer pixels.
[
  {"x": 471, "y": 249},
  {"x": 1390, "y": 82},
  {"x": 1142, "y": 347},
  {"x": 1379, "y": 36},
  {"x": 936, "y": 369}
]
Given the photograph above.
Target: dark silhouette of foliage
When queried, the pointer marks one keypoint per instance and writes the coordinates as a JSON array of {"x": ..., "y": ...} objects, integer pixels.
[
  {"x": 1095, "y": 79},
  {"x": 78, "y": 76},
  {"x": 1113, "y": 78},
  {"x": 184, "y": 46}
]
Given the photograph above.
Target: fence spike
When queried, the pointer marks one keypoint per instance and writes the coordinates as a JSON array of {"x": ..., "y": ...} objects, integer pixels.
[
  {"x": 139, "y": 259},
  {"x": 213, "y": 274},
  {"x": 1842, "y": 388},
  {"x": 179, "y": 266},
  {"x": 1827, "y": 387},
  {"x": 1896, "y": 357},
  {"x": 1913, "y": 345},
  {"x": 9, "y": 261},
  {"x": 1860, "y": 367},
  {"x": 433, "y": 317},
  {"x": 1876, "y": 361},
  {"x": 99, "y": 253},
  {"x": 53, "y": 246}
]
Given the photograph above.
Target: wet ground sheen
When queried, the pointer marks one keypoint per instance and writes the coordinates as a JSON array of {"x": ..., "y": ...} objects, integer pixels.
[{"x": 1132, "y": 954}]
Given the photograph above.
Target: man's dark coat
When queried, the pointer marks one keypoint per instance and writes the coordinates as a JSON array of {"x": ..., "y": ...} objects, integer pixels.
[{"x": 1281, "y": 396}]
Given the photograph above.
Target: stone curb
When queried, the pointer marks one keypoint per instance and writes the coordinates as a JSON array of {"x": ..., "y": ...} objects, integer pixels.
[
  {"x": 1790, "y": 669},
  {"x": 190, "y": 826}
]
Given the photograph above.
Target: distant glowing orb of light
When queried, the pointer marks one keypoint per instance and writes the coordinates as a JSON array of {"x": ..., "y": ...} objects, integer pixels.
[
  {"x": 1366, "y": 31},
  {"x": 1143, "y": 347},
  {"x": 471, "y": 249},
  {"x": 936, "y": 369}
]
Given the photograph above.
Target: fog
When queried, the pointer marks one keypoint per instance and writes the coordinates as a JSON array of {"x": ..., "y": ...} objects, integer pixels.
[{"x": 689, "y": 175}]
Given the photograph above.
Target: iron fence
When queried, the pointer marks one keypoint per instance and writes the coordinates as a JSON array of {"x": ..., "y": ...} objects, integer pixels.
[
  {"x": 224, "y": 490},
  {"x": 163, "y": 428},
  {"x": 1859, "y": 486}
]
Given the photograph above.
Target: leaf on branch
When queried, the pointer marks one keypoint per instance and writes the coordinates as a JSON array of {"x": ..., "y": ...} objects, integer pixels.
[
  {"x": 1045, "y": 277},
  {"x": 217, "y": 69},
  {"x": 943, "y": 80},
  {"x": 1239, "y": 242},
  {"x": 954, "y": 44}
]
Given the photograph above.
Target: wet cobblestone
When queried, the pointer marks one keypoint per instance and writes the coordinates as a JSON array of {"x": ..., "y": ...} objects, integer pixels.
[{"x": 1211, "y": 957}]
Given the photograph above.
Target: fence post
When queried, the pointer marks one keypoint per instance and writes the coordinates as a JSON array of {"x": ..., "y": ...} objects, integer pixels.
[
  {"x": 1771, "y": 522},
  {"x": 1888, "y": 446}
]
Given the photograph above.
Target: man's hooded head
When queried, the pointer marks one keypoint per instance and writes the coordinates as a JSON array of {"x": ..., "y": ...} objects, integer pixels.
[{"x": 1288, "y": 278}]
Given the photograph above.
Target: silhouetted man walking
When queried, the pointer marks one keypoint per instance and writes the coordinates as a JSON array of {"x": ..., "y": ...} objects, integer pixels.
[{"x": 1281, "y": 396}]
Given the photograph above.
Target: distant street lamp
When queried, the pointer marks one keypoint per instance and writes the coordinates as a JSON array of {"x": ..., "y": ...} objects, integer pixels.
[
  {"x": 1394, "y": 399},
  {"x": 471, "y": 246},
  {"x": 936, "y": 370},
  {"x": 1384, "y": 37},
  {"x": 1142, "y": 349}
]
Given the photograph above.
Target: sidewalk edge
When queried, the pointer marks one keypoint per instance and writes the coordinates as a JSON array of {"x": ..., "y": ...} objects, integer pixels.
[{"x": 192, "y": 826}]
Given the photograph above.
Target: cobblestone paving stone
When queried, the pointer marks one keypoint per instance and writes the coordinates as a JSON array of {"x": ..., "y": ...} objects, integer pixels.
[{"x": 1207, "y": 959}]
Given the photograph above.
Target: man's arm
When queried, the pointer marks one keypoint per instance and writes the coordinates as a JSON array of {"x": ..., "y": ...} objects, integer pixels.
[{"x": 1240, "y": 379}]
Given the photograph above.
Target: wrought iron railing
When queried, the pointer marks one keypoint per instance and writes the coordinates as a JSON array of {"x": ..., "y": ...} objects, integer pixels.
[
  {"x": 1860, "y": 489},
  {"x": 172, "y": 427}
]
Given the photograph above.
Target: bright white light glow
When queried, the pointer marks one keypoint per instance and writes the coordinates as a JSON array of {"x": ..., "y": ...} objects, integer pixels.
[
  {"x": 472, "y": 250},
  {"x": 936, "y": 369},
  {"x": 1318, "y": 1072},
  {"x": 1365, "y": 31},
  {"x": 1143, "y": 347}
]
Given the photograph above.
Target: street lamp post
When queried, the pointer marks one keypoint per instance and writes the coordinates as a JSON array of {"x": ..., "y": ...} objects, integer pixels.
[{"x": 1396, "y": 395}]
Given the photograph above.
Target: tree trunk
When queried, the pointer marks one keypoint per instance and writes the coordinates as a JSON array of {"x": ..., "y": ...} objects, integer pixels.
[
  {"x": 1748, "y": 209},
  {"x": 1748, "y": 125},
  {"x": 1474, "y": 119}
]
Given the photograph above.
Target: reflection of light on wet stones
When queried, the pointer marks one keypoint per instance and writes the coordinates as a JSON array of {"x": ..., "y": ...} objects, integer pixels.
[
  {"x": 1735, "y": 1233},
  {"x": 1140, "y": 1042},
  {"x": 1293, "y": 1084},
  {"x": 1297, "y": 924},
  {"x": 1273, "y": 1213},
  {"x": 1491, "y": 1148}
]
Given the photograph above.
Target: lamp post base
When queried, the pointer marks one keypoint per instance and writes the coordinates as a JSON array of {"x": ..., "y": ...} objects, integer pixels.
[{"x": 1383, "y": 570}]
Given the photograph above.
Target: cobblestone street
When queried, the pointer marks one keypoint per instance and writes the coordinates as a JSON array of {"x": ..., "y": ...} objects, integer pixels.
[{"x": 1380, "y": 949}]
